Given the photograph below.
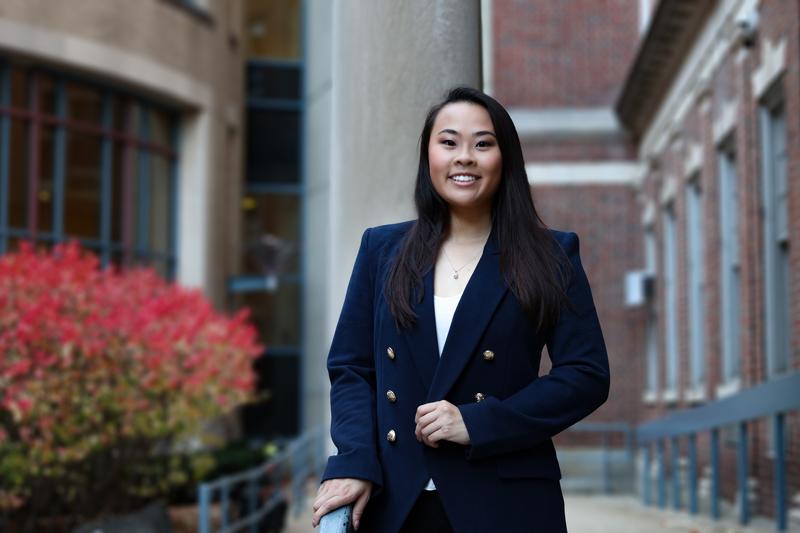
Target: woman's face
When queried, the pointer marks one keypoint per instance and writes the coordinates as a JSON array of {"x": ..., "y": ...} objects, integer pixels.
[{"x": 465, "y": 160}]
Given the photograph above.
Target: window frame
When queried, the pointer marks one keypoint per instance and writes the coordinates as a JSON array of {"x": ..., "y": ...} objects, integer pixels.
[
  {"x": 730, "y": 265},
  {"x": 669, "y": 276},
  {"x": 775, "y": 253},
  {"x": 107, "y": 134},
  {"x": 695, "y": 286}
]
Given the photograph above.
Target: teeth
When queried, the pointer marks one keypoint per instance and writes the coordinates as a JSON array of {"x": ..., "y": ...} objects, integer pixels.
[{"x": 463, "y": 179}]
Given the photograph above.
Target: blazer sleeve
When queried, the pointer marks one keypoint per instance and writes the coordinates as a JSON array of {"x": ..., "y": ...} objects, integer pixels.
[
  {"x": 351, "y": 368},
  {"x": 577, "y": 384}
]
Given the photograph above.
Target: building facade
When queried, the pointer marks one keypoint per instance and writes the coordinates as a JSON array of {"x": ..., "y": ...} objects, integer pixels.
[
  {"x": 121, "y": 127},
  {"x": 714, "y": 108}
]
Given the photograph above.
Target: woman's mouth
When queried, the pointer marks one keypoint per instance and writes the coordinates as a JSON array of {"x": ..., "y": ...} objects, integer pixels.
[{"x": 464, "y": 179}]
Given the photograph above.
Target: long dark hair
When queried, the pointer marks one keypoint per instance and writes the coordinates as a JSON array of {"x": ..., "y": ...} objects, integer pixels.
[{"x": 529, "y": 262}]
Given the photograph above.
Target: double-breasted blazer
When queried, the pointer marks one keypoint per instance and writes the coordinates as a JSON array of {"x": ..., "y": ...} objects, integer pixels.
[{"x": 506, "y": 479}]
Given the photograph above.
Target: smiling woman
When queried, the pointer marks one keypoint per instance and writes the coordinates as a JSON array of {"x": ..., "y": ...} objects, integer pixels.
[
  {"x": 465, "y": 161},
  {"x": 439, "y": 417}
]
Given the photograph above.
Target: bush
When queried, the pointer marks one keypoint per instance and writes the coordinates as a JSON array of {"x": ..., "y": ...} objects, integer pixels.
[{"x": 100, "y": 372}]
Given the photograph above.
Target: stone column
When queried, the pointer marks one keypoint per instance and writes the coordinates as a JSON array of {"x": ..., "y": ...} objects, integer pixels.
[{"x": 388, "y": 61}]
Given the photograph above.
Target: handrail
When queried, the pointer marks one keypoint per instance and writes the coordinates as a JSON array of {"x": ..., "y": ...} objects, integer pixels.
[
  {"x": 298, "y": 452},
  {"x": 771, "y": 399},
  {"x": 766, "y": 399},
  {"x": 337, "y": 521}
]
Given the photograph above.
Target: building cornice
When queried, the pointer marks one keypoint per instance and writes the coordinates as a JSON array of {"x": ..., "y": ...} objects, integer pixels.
[
  {"x": 597, "y": 123},
  {"x": 672, "y": 32}
]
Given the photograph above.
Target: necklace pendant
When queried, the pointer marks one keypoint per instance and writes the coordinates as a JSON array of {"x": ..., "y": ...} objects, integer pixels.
[{"x": 455, "y": 276}]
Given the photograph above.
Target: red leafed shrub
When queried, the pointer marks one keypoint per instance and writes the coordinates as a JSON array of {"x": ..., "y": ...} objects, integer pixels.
[{"x": 100, "y": 372}]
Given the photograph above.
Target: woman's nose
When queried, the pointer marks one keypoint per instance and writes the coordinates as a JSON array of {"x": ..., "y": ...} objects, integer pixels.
[{"x": 465, "y": 157}]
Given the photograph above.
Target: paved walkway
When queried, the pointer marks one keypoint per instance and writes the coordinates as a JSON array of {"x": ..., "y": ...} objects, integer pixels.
[
  {"x": 626, "y": 514},
  {"x": 615, "y": 514}
]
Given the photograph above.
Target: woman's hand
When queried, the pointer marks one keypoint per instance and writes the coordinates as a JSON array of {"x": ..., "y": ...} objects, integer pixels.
[
  {"x": 440, "y": 421},
  {"x": 335, "y": 493}
]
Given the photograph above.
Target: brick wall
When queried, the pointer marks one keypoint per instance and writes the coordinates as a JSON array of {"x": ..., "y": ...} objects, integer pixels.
[
  {"x": 571, "y": 53},
  {"x": 574, "y": 54},
  {"x": 607, "y": 225}
]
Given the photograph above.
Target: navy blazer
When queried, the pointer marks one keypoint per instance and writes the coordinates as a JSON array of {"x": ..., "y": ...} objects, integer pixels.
[{"x": 506, "y": 479}]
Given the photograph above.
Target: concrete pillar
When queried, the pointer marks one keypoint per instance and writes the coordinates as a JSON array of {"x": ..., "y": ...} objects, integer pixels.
[{"x": 386, "y": 63}]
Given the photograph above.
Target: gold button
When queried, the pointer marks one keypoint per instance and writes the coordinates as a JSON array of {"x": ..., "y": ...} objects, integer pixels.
[
  {"x": 391, "y": 396},
  {"x": 391, "y": 436},
  {"x": 479, "y": 397},
  {"x": 390, "y": 352},
  {"x": 488, "y": 355}
]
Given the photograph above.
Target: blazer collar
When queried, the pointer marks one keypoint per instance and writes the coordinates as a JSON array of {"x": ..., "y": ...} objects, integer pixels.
[{"x": 481, "y": 296}]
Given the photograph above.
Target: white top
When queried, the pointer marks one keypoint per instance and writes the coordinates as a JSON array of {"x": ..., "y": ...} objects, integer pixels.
[{"x": 444, "y": 307}]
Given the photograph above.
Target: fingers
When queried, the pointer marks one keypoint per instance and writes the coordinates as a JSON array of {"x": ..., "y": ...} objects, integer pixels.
[
  {"x": 425, "y": 408},
  {"x": 438, "y": 421},
  {"x": 335, "y": 493},
  {"x": 423, "y": 432},
  {"x": 358, "y": 508},
  {"x": 430, "y": 417},
  {"x": 333, "y": 502},
  {"x": 436, "y": 425}
]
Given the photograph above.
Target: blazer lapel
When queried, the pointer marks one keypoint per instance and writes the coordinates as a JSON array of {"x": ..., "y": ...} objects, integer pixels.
[
  {"x": 481, "y": 296},
  {"x": 421, "y": 339}
]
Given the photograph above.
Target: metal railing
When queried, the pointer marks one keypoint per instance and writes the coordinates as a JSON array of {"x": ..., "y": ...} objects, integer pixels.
[
  {"x": 261, "y": 489},
  {"x": 771, "y": 400}
]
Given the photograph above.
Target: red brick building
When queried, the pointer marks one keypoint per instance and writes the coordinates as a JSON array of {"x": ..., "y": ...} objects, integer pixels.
[
  {"x": 667, "y": 135},
  {"x": 713, "y": 104}
]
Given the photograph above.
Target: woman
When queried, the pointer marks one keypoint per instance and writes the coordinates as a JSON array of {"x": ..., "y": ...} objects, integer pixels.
[{"x": 438, "y": 413}]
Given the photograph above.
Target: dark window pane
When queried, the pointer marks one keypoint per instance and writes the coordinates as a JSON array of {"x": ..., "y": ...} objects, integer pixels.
[
  {"x": 18, "y": 175},
  {"x": 276, "y": 315},
  {"x": 273, "y": 81},
  {"x": 118, "y": 259},
  {"x": 19, "y": 88},
  {"x": 82, "y": 188},
  {"x": 126, "y": 119},
  {"x": 44, "y": 194},
  {"x": 84, "y": 103},
  {"x": 159, "y": 203},
  {"x": 271, "y": 234},
  {"x": 160, "y": 125},
  {"x": 123, "y": 194},
  {"x": 47, "y": 93},
  {"x": 272, "y": 28},
  {"x": 278, "y": 414},
  {"x": 273, "y": 146}
]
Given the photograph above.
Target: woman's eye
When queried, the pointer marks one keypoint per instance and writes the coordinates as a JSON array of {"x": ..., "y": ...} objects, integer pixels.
[
  {"x": 448, "y": 142},
  {"x": 483, "y": 144}
]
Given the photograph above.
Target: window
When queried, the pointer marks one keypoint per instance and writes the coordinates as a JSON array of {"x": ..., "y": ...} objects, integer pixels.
[
  {"x": 774, "y": 192},
  {"x": 730, "y": 277},
  {"x": 670, "y": 303},
  {"x": 82, "y": 161},
  {"x": 270, "y": 281},
  {"x": 695, "y": 285},
  {"x": 651, "y": 333}
]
